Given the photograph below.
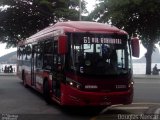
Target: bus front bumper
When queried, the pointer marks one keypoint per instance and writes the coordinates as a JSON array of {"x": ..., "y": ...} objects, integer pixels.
[{"x": 74, "y": 97}]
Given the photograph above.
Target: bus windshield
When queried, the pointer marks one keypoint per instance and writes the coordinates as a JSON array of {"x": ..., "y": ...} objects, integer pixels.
[{"x": 100, "y": 54}]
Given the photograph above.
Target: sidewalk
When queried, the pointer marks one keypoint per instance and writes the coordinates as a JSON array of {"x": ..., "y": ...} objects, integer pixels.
[
  {"x": 143, "y": 76},
  {"x": 7, "y": 74}
]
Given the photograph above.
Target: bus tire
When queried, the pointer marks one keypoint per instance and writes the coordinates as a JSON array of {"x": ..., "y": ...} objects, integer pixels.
[
  {"x": 24, "y": 79},
  {"x": 46, "y": 92}
]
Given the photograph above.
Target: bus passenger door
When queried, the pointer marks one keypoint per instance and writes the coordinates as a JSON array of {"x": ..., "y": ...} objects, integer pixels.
[
  {"x": 37, "y": 64},
  {"x": 57, "y": 71},
  {"x": 33, "y": 63}
]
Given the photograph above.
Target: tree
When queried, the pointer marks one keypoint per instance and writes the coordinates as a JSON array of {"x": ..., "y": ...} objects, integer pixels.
[
  {"x": 21, "y": 18},
  {"x": 140, "y": 17}
]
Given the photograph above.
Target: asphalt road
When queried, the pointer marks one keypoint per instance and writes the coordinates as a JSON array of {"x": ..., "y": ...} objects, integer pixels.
[
  {"x": 147, "y": 90},
  {"x": 28, "y": 104},
  {"x": 20, "y": 103}
]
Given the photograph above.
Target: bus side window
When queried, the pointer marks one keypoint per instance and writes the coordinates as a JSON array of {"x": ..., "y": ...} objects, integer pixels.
[
  {"x": 58, "y": 59},
  {"x": 39, "y": 56},
  {"x": 28, "y": 52},
  {"x": 48, "y": 55},
  {"x": 55, "y": 59},
  {"x": 22, "y": 49},
  {"x": 18, "y": 53}
]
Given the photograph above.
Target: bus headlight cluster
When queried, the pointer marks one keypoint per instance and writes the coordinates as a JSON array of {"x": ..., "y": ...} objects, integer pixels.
[
  {"x": 73, "y": 83},
  {"x": 130, "y": 84}
]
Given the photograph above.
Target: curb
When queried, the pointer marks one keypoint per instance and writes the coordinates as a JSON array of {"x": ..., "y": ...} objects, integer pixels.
[
  {"x": 8, "y": 74},
  {"x": 146, "y": 76}
]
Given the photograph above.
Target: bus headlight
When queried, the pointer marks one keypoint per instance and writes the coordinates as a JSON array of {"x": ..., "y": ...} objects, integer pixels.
[
  {"x": 73, "y": 83},
  {"x": 130, "y": 84}
]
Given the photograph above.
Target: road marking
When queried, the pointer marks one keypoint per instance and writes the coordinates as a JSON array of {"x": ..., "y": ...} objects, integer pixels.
[
  {"x": 130, "y": 108},
  {"x": 157, "y": 111},
  {"x": 121, "y": 107},
  {"x": 144, "y": 103}
]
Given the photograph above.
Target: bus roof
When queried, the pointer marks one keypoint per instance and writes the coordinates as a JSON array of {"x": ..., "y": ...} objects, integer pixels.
[
  {"x": 86, "y": 26},
  {"x": 74, "y": 26}
]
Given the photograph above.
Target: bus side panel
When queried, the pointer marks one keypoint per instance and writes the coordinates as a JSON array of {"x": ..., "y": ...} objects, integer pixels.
[
  {"x": 19, "y": 71},
  {"x": 28, "y": 77}
]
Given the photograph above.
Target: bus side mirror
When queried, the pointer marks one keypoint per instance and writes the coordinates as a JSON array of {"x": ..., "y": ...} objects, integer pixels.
[
  {"x": 135, "y": 47},
  {"x": 62, "y": 45}
]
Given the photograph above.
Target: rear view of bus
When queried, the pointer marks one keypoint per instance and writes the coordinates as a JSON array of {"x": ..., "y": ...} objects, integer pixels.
[{"x": 79, "y": 63}]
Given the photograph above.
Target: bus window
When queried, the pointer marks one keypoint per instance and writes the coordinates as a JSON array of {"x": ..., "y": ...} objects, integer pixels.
[
  {"x": 39, "y": 55},
  {"x": 58, "y": 59},
  {"x": 48, "y": 55},
  {"x": 28, "y": 52},
  {"x": 19, "y": 53},
  {"x": 99, "y": 58},
  {"x": 22, "y": 52}
]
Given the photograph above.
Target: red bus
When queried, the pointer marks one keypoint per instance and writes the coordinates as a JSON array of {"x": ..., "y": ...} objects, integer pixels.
[{"x": 79, "y": 63}]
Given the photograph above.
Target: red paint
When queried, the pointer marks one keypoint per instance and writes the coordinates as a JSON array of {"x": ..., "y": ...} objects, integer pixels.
[{"x": 106, "y": 94}]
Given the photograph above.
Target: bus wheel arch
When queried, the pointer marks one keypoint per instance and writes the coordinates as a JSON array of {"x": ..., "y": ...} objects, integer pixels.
[{"x": 46, "y": 91}]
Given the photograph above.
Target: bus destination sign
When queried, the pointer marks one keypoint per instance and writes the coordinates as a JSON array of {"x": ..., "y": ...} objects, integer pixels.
[{"x": 96, "y": 40}]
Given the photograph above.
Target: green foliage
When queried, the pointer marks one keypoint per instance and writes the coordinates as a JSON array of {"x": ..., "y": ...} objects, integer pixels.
[
  {"x": 134, "y": 16},
  {"x": 140, "y": 17},
  {"x": 21, "y": 18}
]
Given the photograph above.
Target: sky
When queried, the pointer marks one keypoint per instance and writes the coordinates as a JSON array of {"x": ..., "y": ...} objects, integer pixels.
[
  {"x": 90, "y": 7},
  {"x": 4, "y": 50}
]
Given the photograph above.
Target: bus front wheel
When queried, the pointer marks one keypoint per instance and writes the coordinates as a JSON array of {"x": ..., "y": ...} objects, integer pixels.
[{"x": 46, "y": 92}]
